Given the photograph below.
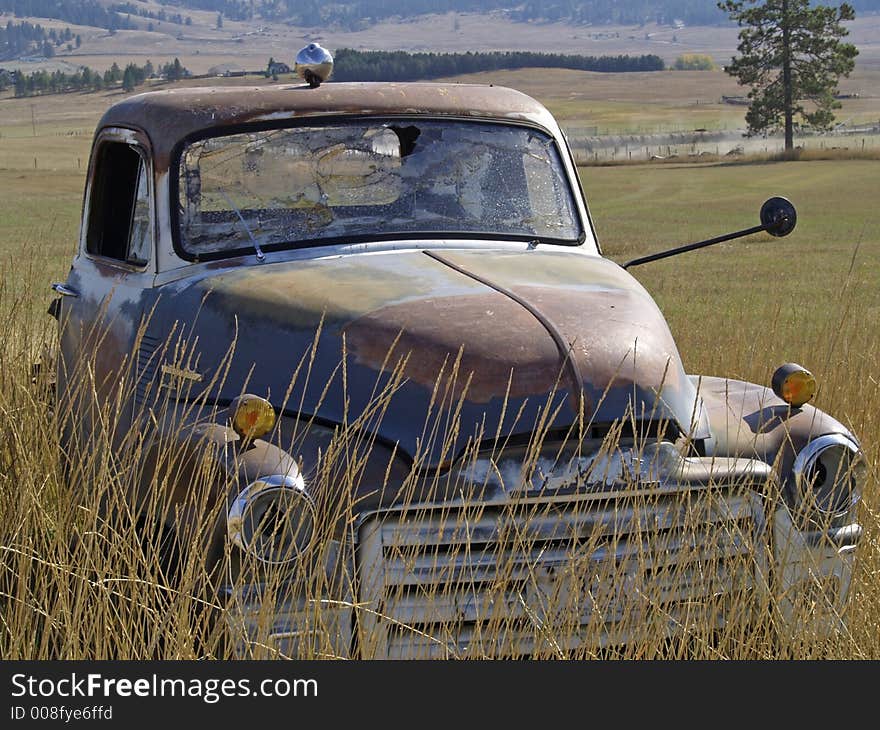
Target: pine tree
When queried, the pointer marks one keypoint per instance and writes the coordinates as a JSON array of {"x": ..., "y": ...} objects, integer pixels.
[
  {"x": 128, "y": 78},
  {"x": 790, "y": 53}
]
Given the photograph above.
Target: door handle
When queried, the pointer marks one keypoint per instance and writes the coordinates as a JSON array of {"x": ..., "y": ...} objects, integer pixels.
[{"x": 64, "y": 290}]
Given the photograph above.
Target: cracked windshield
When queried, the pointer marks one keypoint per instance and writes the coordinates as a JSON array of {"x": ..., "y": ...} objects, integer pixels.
[{"x": 354, "y": 181}]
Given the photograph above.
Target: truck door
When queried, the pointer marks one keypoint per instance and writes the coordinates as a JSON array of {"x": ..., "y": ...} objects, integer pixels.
[{"x": 107, "y": 291}]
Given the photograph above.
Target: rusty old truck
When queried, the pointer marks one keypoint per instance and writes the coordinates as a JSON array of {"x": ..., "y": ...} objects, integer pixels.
[{"x": 425, "y": 416}]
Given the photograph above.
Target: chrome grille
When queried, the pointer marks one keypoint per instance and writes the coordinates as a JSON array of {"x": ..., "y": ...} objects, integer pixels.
[{"x": 554, "y": 578}]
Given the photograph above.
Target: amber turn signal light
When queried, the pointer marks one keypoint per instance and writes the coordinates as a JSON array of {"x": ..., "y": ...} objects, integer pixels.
[
  {"x": 252, "y": 416},
  {"x": 794, "y": 384}
]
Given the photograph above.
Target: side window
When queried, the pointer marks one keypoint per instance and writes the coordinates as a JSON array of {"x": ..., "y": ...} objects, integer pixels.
[
  {"x": 119, "y": 208},
  {"x": 139, "y": 238}
]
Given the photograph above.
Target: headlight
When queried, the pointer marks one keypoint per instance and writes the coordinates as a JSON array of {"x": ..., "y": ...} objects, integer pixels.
[
  {"x": 273, "y": 519},
  {"x": 829, "y": 474}
]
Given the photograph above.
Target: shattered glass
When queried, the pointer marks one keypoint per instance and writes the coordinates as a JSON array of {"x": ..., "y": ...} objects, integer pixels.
[{"x": 359, "y": 180}]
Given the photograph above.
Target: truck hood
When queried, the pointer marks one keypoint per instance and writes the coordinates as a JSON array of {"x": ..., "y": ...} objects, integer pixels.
[{"x": 474, "y": 343}]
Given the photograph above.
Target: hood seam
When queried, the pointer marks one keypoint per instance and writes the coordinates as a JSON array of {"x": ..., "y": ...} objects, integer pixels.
[{"x": 564, "y": 348}]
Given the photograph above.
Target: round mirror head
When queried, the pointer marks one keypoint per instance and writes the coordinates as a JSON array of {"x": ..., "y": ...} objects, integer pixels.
[
  {"x": 779, "y": 216},
  {"x": 314, "y": 64}
]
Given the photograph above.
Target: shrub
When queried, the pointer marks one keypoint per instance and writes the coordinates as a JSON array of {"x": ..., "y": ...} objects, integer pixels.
[{"x": 694, "y": 62}]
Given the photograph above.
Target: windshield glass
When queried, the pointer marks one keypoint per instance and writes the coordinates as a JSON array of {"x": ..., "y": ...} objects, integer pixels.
[{"x": 363, "y": 179}]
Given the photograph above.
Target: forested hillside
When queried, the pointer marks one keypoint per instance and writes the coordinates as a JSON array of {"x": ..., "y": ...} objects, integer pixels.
[
  {"x": 18, "y": 39},
  {"x": 360, "y": 13},
  {"x": 78, "y": 12}
]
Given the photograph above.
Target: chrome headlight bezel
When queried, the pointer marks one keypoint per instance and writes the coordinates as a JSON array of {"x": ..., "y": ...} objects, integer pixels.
[
  {"x": 255, "y": 499},
  {"x": 845, "y": 491}
]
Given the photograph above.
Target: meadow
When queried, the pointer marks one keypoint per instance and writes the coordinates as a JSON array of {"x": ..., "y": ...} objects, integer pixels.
[{"x": 738, "y": 309}]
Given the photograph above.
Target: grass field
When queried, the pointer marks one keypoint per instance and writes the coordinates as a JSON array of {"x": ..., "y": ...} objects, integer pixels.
[
  {"x": 738, "y": 309},
  {"x": 638, "y": 110}
]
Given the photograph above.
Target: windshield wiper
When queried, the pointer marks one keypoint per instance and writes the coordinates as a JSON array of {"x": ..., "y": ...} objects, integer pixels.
[{"x": 260, "y": 255}]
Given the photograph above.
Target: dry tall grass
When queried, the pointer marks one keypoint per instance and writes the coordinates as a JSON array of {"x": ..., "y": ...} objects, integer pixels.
[{"x": 637, "y": 573}]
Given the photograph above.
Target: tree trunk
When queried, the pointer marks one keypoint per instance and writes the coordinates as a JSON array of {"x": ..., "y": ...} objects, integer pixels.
[{"x": 786, "y": 77}]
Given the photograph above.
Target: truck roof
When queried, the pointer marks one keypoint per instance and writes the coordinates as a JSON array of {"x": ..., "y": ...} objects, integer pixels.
[{"x": 167, "y": 117}]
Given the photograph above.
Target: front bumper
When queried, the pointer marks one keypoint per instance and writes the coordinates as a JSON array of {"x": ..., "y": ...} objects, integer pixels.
[
  {"x": 627, "y": 566},
  {"x": 813, "y": 571}
]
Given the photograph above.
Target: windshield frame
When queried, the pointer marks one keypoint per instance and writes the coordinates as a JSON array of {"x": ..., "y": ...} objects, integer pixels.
[{"x": 579, "y": 209}]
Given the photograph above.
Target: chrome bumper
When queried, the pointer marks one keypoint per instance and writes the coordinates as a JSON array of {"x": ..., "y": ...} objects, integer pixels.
[{"x": 558, "y": 577}]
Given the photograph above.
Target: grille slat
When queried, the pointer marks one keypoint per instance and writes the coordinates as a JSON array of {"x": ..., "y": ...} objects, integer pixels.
[
  {"x": 430, "y": 528},
  {"x": 520, "y": 639},
  {"x": 414, "y": 566},
  {"x": 521, "y": 564},
  {"x": 458, "y": 607}
]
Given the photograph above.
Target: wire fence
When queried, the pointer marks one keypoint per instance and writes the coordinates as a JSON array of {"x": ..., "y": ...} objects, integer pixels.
[{"x": 701, "y": 142}]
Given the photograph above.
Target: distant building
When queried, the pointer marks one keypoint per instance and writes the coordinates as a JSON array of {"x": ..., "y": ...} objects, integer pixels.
[
  {"x": 226, "y": 69},
  {"x": 277, "y": 68}
]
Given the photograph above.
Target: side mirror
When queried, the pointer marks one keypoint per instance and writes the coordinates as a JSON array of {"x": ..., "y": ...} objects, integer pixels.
[{"x": 778, "y": 218}]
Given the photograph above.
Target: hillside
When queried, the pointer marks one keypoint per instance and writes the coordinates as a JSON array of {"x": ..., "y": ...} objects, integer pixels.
[
  {"x": 203, "y": 40},
  {"x": 359, "y": 14}
]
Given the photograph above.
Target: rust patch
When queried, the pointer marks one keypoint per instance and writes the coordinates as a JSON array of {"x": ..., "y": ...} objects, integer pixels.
[
  {"x": 562, "y": 347},
  {"x": 616, "y": 337},
  {"x": 167, "y": 117},
  {"x": 499, "y": 340},
  {"x": 615, "y": 330}
]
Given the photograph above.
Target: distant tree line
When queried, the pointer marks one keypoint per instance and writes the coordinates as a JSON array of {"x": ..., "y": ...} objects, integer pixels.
[
  {"x": 56, "y": 82},
  {"x": 160, "y": 15},
  {"x": 22, "y": 39},
  {"x": 77, "y": 12},
  {"x": 353, "y": 14},
  {"x": 85, "y": 79},
  {"x": 351, "y": 65}
]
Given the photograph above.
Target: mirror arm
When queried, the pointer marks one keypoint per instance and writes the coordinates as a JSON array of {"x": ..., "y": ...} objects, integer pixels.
[
  {"x": 694, "y": 246},
  {"x": 778, "y": 218}
]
